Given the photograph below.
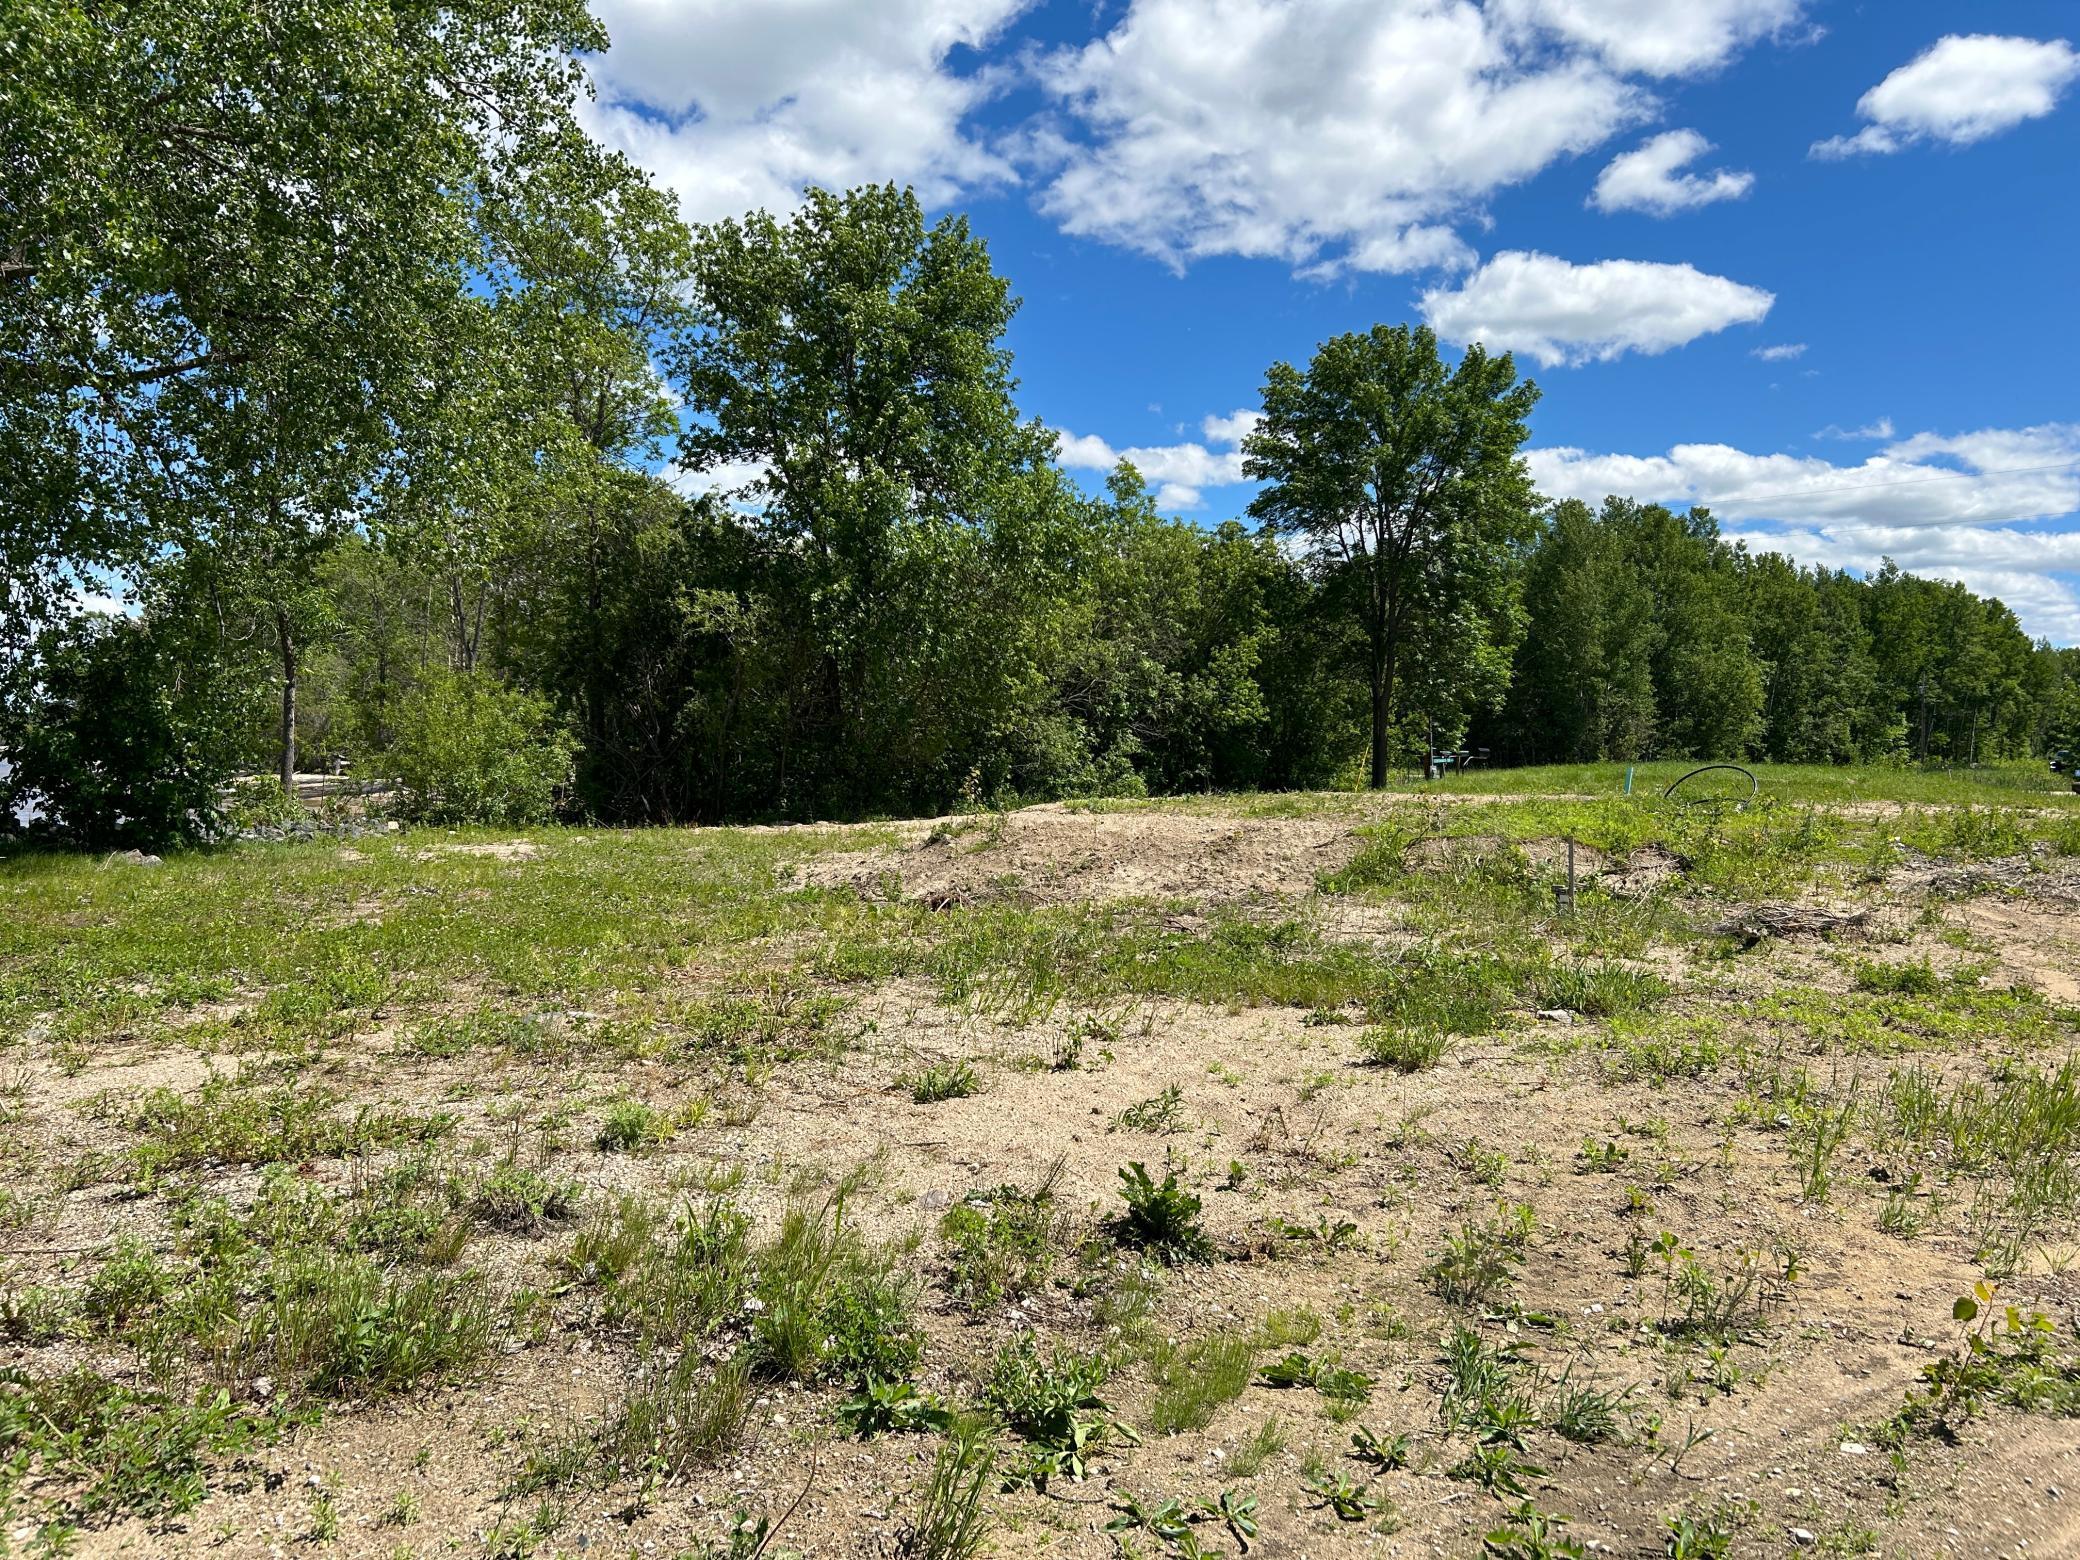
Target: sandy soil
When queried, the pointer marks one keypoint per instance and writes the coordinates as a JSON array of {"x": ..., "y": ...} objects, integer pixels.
[{"x": 1778, "y": 1421}]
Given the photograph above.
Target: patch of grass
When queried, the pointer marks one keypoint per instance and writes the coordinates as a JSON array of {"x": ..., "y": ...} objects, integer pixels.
[
  {"x": 233, "y": 1123},
  {"x": 943, "y": 1081},
  {"x": 1914, "y": 979},
  {"x": 630, "y": 1126},
  {"x": 523, "y": 1201},
  {"x": 951, "y": 1523},
  {"x": 1193, "y": 1380},
  {"x": 830, "y": 1306},
  {"x": 1404, "y": 1050},
  {"x": 1289, "y": 1327},
  {"x": 1264, "y": 1443},
  {"x": 680, "y": 1414},
  {"x": 666, "y": 1276}
]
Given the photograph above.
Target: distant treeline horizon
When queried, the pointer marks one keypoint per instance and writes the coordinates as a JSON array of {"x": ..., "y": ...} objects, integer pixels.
[{"x": 351, "y": 355}]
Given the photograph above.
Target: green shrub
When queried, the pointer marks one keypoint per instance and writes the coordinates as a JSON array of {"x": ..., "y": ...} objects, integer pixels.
[
  {"x": 1164, "y": 1219},
  {"x": 119, "y": 740},
  {"x": 466, "y": 750}
]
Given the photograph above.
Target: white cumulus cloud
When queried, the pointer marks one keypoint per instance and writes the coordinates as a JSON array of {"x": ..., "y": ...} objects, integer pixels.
[
  {"x": 1781, "y": 352},
  {"x": 1180, "y": 472},
  {"x": 1656, "y": 37},
  {"x": 1558, "y": 312},
  {"x": 1969, "y": 507},
  {"x": 1329, "y": 134},
  {"x": 1650, "y": 178},
  {"x": 1962, "y": 89},
  {"x": 1993, "y": 476},
  {"x": 739, "y": 106}
]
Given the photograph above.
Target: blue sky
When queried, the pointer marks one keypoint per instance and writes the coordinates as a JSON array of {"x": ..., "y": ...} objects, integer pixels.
[{"x": 1811, "y": 263}]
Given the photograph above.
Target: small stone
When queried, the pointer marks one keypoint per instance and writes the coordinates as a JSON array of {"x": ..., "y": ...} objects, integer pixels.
[
  {"x": 1803, "y": 1537},
  {"x": 1855, "y": 1449},
  {"x": 1556, "y": 1015}
]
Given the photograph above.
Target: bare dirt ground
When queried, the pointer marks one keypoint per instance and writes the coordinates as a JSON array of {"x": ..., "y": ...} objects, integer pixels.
[{"x": 1329, "y": 1189}]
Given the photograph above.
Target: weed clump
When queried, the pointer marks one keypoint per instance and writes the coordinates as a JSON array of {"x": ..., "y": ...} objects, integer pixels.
[
  {"x": 1002, "y": 1244},
  {"x": 1404, "y": 1050},
  {"x": 1162, "y": 1219}
]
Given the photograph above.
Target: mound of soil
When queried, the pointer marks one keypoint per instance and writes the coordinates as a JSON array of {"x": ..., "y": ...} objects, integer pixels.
[{"x": 1049, "y": 855}]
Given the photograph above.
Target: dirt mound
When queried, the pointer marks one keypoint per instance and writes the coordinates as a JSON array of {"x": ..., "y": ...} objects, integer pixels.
[{"x": 1048, "y": 855}]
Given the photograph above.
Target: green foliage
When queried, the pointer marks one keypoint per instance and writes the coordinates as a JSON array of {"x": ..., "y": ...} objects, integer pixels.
[
  {"x": 680, "y": 1414},
  {"x": 830, "y": 1306},
  {"x": 1482, "y": 1257},
  {"x": 950, "y": 1523},
  {"x": 130, "y": 1452},
  {"x": 1193, "y": 1380},
  {"x": 1054, "y": 1404},
  {"x": 1531, "y": 1534},
  {"x": 1404, "y": 1050},
  {"x": 881, "y": 1407},
  {"x": 1333, "y": 1381},
  {"x": 113, "y": 742},
  {"x": 1002, "y": 1244},
  {"x": 465, "y": 750},
  {"x": 943, "y": 1081},
  {"x": 1162, "y": 1218},
  {"x": 1401, "y": 477}
]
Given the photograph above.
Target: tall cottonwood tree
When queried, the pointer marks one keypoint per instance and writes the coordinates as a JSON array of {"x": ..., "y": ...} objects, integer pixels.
[
  {"x": 1401, "y": 478},
  {"x": 847, "y": 366}
]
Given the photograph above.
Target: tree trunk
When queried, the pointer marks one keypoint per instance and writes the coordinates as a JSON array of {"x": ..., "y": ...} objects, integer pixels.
[
  {"x": 286, "y": 640},
  {"x": 1382, "y": 705}
]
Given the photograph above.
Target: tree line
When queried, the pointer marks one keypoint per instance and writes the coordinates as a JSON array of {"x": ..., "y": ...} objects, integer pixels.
[{"x": 426, "y": 436}]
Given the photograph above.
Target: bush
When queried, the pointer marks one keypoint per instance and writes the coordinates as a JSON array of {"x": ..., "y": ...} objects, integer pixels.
[
  {"x": 467, "y": 750},
  {"x": 114, "y": 741},
  {"x": 1161, "y": 1219}
]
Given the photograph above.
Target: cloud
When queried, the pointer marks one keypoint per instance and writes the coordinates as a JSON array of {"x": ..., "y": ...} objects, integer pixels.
[
  {"x": 1647, "y": 178},
  {"x": 1558, "y": 312},
  {"x": 1334, "y": 135},
  {"x": 1881, "y": 429},
  {"x": 1951, "y": 506},
  {"x": 1962, "y": 89},
  {"x": 739, "y": 106},
  {"x": 1233, "y": 428},
  {"x": 1180, "y": 471},
  {"x": 739, "y": 483},
  {"x": 1993, "y": 476},
  {"x": 1782, "y": 352},
  {"x": 1654, "y": 37}
]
